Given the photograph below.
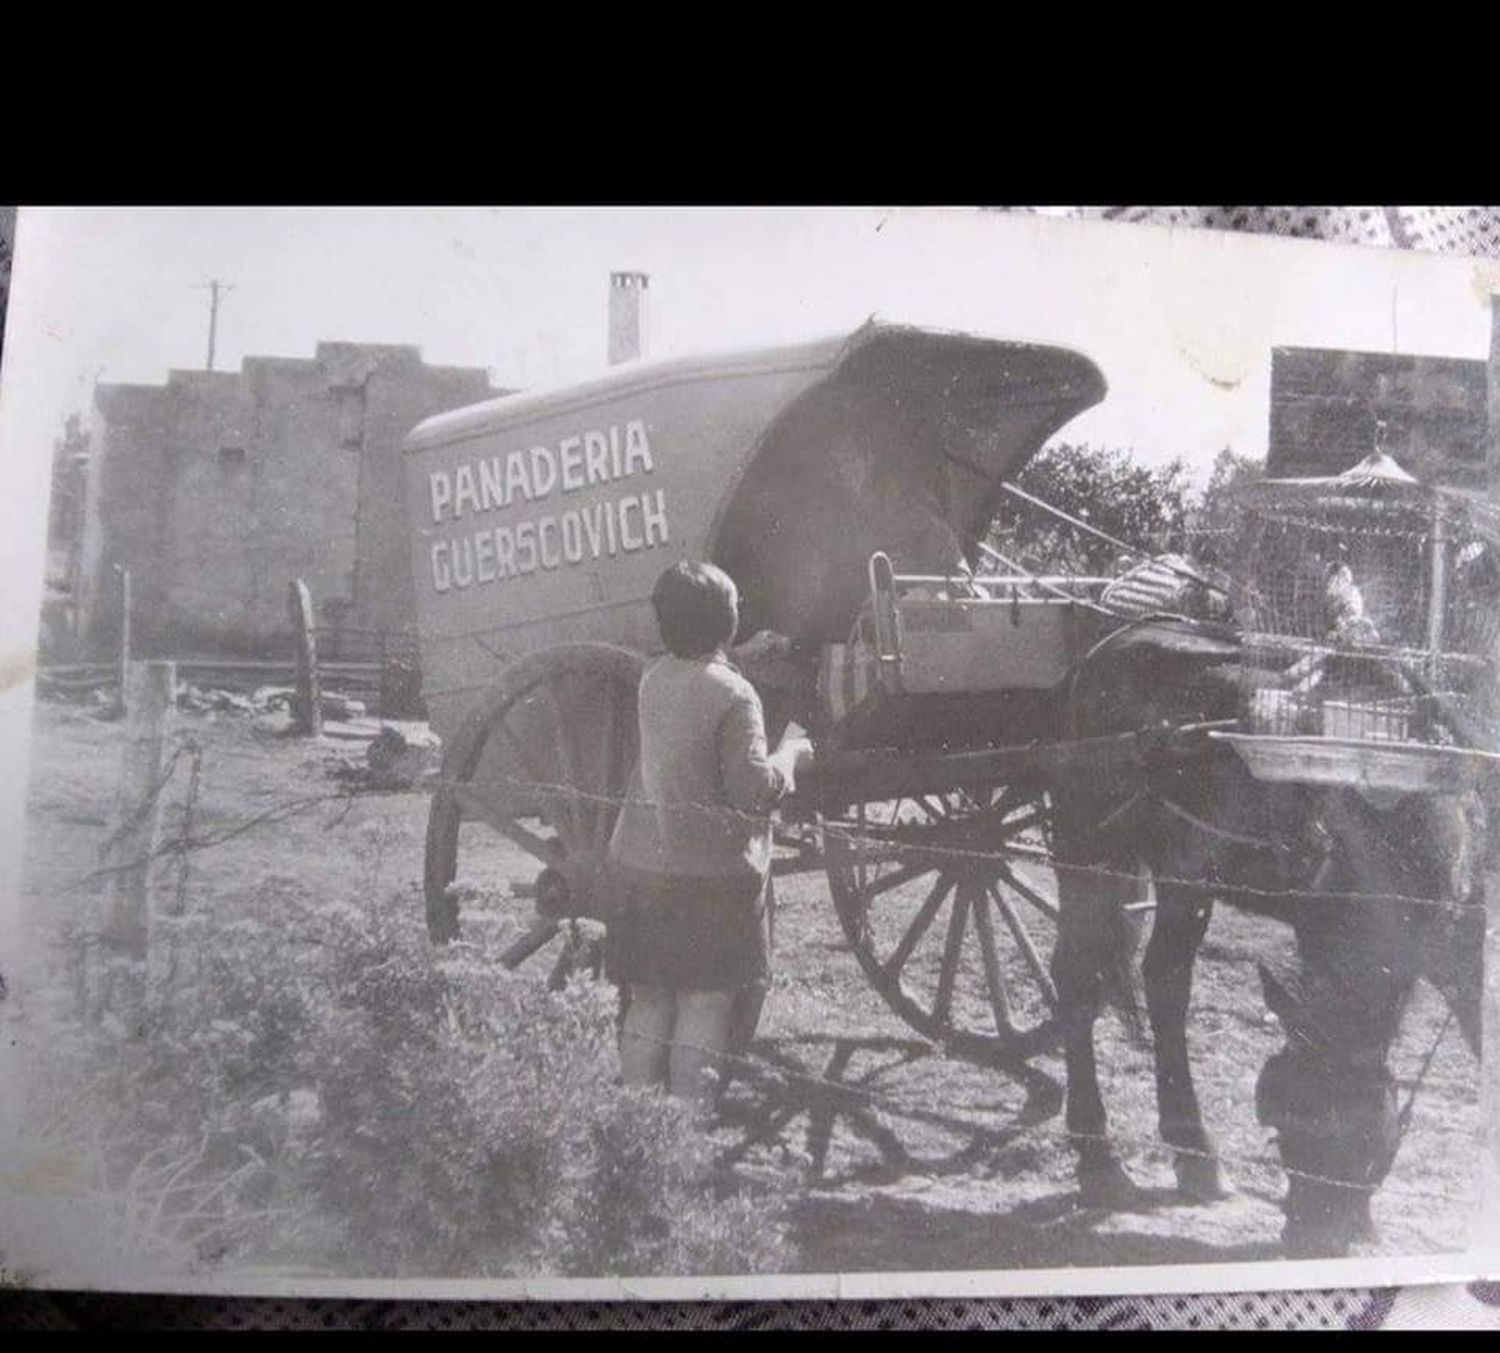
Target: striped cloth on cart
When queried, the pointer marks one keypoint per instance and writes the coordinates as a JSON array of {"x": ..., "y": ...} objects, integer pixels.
[{"x": 1168, "y": 584}]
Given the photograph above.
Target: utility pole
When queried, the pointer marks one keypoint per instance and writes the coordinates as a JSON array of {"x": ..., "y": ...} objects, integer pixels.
[{"x": 213, "y": 286}]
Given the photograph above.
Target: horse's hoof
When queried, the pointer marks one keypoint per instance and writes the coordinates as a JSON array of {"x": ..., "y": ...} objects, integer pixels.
[
  {"x": 1198, "y": 1178},
  {"x": 1300, "y": 1243},
  {"x": 1328, "y": 1240},
  {"x": 1107, "y": 1187},
  {"x": 1314, "y": 1242}
]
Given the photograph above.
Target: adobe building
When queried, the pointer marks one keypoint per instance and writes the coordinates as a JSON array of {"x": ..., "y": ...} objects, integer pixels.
[
  {"x": 1439, "y": 417},
  {"x": 217, "y": 488}
]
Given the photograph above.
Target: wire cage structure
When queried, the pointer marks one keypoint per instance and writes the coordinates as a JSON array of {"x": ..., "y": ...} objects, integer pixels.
[{"x": 1370, "y": 608}]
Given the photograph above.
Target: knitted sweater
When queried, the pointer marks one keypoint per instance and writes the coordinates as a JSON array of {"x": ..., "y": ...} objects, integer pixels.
[{"x": 703, "y": 787}]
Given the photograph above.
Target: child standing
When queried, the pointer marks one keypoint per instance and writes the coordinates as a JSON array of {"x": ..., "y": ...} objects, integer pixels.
[{"x": 691, "y": 851}]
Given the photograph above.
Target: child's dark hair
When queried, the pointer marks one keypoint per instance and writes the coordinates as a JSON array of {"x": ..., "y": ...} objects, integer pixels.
[{"x": 697, "y": 608}]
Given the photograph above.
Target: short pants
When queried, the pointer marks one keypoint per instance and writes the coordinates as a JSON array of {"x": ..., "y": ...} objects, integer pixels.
[{"x": 689, "y": 934}]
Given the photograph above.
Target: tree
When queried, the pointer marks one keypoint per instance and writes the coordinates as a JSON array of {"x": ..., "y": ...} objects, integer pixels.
[
  {"x": 1217, "y": 512},
  {"x": 70, "y": 459},
  {"x": 1144, "y": 508}
]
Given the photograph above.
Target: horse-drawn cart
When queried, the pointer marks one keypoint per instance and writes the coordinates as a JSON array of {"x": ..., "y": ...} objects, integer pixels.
[
  {"x": 541, "y": 522},
  {"x": 847, "y": 485}
]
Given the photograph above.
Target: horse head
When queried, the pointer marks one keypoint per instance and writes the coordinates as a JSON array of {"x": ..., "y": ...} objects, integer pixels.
[
  {"x": 1395, "y": 902},
  {"x": 1335, "y": 1119}
]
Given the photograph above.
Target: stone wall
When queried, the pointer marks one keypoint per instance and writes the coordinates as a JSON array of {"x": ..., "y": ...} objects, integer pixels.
[{"x": 218, "y": 487}]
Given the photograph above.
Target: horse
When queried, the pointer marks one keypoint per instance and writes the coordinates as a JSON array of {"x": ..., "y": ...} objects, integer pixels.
[{"x": 1378, "y": 894}]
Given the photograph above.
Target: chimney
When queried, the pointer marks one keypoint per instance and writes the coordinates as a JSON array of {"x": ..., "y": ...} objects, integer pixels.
[
  {"x": 1492, "y": 448},
  {"x": 627, "y": 316}
]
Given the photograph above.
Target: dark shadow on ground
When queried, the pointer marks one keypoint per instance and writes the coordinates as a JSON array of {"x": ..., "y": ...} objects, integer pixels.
[
  {"x": 837, "y": 1095},
  {"x": 884, "y": 1234},
  {"x": 839, "y": 1084}
]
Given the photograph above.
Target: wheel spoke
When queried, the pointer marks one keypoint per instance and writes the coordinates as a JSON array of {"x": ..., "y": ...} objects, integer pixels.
[
  {"x": 609, "y": 783},
  {"x": 534, "y": 782},
  {"x": 880, "y": 843},
  {"x": 480, "y": 805},
  {"x": 1042, "y": 904},
  {"x": 958, "y": 922},
  {"x": 875, "y": 860},
  {"x": 905, "y": 874},
  {"x": 984, "y": 925},
  {"x": 1015, "y": 826},
  {"x": 498, "y": 768},
  {"x": 1011, "y": 798},
  {"x": 861, "y": 844},
  {"x": 941, "y": 887},
  {"x": 1028, "y": 948},
  {"x": 527, "y": 766},
  {"x": 594, "y": 700},
  {"x": 877, "y": 852},
  {"x": 566, "y": 767}
]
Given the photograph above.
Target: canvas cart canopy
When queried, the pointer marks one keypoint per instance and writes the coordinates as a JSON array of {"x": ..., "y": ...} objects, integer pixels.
[{"x": 545, "y": 518}]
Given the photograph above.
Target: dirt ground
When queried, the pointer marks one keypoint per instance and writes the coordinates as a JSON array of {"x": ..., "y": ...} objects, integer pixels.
[{"x": 904, "y": 1159}]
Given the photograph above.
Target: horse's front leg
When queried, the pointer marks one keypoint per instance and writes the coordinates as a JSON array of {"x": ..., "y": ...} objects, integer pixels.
[
  {"x": 1089, "y": 933},
  {"x": 1182, "y": 916}
]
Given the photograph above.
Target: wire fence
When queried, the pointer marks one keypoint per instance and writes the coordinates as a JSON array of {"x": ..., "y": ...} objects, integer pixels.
[
  {"x": 549, "y": 793},
  {"x": 382, "y": 666},
  {"x": 191, "y": 838}
]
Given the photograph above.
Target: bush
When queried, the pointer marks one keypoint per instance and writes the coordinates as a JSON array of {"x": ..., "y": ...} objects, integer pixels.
[
  {"x": 1143, "y": 507},
  {"x": 330, "y": 1090}
]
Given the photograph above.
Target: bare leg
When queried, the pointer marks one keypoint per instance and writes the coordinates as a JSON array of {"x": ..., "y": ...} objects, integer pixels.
[
  {"x": 1181, "y": 920},
  {"x": 749, "y": 1001},
  {"x": 645, "y": 1038},
  {"x": 698, "y": 1043}
]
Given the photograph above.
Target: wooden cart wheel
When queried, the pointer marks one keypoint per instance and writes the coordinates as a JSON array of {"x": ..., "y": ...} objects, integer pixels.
[
  {"x": 950, "y": 905},
  {"x": 544, "y": 759}
]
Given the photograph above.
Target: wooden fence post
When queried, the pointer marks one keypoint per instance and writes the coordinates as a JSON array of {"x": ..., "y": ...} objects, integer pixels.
[
  {"x": 307, "y": 708},
  {"x": 123, "y": 931},
  {"x": 122, "y": 659}
]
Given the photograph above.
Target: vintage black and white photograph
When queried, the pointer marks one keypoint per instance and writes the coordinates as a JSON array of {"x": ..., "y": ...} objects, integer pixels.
[{"x": 722, "y": 744}]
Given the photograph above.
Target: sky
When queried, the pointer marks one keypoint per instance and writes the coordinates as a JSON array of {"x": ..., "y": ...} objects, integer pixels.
[{"x": 1180, "y": 321}]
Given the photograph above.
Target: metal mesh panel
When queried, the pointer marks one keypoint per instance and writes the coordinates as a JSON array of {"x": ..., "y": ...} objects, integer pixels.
[{"x": 1371, "y": 612}]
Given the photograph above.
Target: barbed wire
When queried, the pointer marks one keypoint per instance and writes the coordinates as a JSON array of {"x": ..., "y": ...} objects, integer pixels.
[
  {"x": 852, "y": 836},
  {"x": 1217, "y": 889},
  {"x": 857, "y": 837},
  {"x": 142, "y": 810},
  {"x": 185, "y": 843},
  {"x": 182, "y": 845},
  {"x": 189, "y": 811}
]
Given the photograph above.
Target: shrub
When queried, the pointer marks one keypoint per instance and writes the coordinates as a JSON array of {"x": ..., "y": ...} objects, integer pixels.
[{"x": 331, "y": 1090}]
